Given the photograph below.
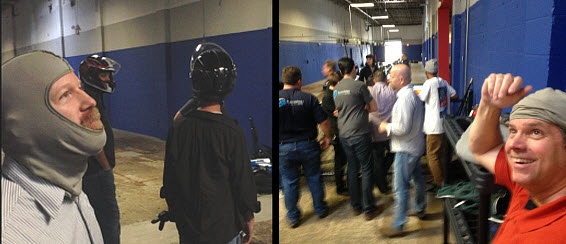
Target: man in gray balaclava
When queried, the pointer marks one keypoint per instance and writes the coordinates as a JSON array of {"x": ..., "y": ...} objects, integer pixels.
[
  {"x": 531, "y": 164},
  {"x": 49, "y": 128}
]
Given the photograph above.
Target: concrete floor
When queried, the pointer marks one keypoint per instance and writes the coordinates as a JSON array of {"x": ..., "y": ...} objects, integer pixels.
[
  {"x": 341, "y": 226},
  {"x": 138, "y": 176}
]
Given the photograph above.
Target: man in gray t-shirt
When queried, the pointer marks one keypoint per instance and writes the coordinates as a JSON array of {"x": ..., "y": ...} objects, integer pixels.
[{"x": 354, "y": 103}]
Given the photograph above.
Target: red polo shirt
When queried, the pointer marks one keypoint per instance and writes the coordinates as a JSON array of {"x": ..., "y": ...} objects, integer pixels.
[{"x": 544, "y": 224}]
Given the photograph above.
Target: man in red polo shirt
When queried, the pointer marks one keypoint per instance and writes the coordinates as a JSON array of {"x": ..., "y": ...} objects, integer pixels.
[{"x": 531, "y": 164}]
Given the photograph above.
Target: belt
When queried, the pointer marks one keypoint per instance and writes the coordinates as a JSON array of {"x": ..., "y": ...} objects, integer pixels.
[{"x": 299, "y": 140}]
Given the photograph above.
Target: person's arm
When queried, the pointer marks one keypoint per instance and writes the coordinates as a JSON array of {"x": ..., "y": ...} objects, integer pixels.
[
  {"x": 498, "y": 91},
  {"x": 425, "y": 90},
  {"x": 249, "y": 231},
  {"x": 451, "y": 92},
  {"x": 102, "y": 160},
  {"x": 403, "y": 119},
  {"x": 328, "y": 105},
  {"x": 325, "y": 127},
  {"x": 371, "y": 106}
]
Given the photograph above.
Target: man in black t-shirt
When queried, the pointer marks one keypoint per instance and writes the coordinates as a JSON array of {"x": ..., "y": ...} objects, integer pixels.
[{"x": 299, "y": 113}]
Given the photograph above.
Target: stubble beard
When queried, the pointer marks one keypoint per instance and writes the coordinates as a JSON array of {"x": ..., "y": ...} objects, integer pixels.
[{"x": 92, "y": 120}]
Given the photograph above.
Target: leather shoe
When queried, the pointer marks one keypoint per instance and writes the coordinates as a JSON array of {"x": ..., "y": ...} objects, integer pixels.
[
  {"x": 357, "y": 212},
  {"x": 323, "y": 215},
  {"x": 390, "y": 232},
  {"x": 421, "y": 216},
  {"x": 295, "y": 224},
  {"x": 377, "y": 211}
]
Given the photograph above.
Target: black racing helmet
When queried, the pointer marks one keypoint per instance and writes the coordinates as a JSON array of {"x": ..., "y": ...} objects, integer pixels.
[
  {"x": 213, "y": 72},
  {"x": 92, "y": 66}
]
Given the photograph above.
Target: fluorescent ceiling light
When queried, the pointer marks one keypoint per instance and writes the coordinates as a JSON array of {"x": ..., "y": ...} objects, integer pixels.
[
  {"x": 380, "y": 17},
  {"x": 394, "y": 30},
  {"x": 362, "y": 5},
  {"x": 388, "y": 26}
]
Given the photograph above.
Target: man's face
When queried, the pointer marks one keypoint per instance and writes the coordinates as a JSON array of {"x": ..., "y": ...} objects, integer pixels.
[
  {"x": 536, "y": 153},
  {"x": 69, "y": 99},
  {"x": 404, "y": 57},
  {"x": 369, "y": 61},
  {"x": 326, "y": 71},
  {"x": 104, "y": 76},
  {"x": 395, "y": 79}
]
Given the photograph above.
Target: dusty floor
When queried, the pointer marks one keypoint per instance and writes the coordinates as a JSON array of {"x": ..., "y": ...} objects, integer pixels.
[
  {"x": 138, "y": 176},
  {"x": 341, "y": 226}
]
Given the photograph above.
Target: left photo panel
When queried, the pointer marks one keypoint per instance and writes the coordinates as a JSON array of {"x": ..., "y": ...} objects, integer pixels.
[{"x": 137, "y": 121}]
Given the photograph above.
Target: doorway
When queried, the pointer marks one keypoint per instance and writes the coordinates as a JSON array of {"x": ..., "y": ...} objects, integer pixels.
[{"x": 393, "y": 51}]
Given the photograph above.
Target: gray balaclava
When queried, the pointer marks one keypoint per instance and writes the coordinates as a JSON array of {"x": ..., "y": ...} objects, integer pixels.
[{"x": 34, "y": 134}]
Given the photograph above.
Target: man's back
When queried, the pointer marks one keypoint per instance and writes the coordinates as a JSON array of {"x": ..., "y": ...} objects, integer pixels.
[
  {"x": 299, "y": 114},
  {"x": 385, "y": 98},
  {"x": 208, "y": 176},
  {"x": 351, "y": 97},
  {"x": 436, "y": 94}
]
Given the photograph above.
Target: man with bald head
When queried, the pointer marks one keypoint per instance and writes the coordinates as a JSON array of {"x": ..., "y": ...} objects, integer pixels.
[
  {"x": 49, "y": 128},
  {"x": 407, "y": 141},
  {"x": 531, "y": 164}
]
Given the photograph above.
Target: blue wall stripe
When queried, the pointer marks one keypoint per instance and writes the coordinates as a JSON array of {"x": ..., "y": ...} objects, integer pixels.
[{"x": 153, "y": 84}]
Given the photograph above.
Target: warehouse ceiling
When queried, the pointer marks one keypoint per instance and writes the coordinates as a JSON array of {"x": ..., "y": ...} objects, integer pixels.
[{"x": 400, "y": 12}]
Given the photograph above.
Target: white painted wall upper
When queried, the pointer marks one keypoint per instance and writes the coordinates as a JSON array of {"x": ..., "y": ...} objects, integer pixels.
[
  {"x": 459, "y": 6},
  {"x": 319, "y": 21},
  {"x": 127, "y": 23}
]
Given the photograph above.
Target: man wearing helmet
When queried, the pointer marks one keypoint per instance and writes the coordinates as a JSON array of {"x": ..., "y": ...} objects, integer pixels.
[
  {"x": 49, "y": 127},
  {"x": 96, "y": 72},
  {"x": 207, "y": 180}
]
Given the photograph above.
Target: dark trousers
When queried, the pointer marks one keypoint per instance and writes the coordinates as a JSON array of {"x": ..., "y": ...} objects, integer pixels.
[
  {"x": 339, "y": 165},
  {"x": 358, "y": 152},
  {"x": 101, "y": 192},
  {"x": 382, "y": 160}
]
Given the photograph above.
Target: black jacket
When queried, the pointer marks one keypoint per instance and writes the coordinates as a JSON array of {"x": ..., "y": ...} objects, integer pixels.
[{"x": 207, "y": 180}]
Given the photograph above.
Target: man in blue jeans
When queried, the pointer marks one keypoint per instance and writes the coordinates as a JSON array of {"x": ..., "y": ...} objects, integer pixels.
[
  {"x": 97, "y": 74},
  {"x": 407, "y": 141},
  {"x": 299, "y": 113},
  {"x": 354, "y": 103}
]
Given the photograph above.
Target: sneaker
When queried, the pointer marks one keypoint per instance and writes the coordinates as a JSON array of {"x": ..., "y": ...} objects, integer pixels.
[
  {"x": 357, "y": 212},
  {"x": 391, "y": 232},
  {"x": 377, "y": 211}
]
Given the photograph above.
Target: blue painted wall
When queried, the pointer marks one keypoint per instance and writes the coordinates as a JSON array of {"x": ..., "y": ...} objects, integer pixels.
[
  {"x": 153, "y": 84},
  {"x": 430, "y": 48},
  {"x": 413, "y": 52},
  {"x": 310, "y": 57},
  {"x": 520, "y": 37},
  {"x": 379, "y": 51}
]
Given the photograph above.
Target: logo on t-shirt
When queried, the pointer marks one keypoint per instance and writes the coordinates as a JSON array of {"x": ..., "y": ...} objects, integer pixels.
[
  {"x": 442, "y": 100},
  {"x": 335, "y": 94},
  {"x": 341, "y": 93},
  {"x": 282, "y": 102}
]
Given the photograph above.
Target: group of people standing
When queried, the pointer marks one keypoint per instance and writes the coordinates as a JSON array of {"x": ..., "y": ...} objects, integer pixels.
[{"x": 372, "y": 122}]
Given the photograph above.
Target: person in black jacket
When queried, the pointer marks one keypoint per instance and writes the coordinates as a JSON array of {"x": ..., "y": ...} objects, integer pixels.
[
  {"x": 339, "y": 156},
  {"x": 207, "y": 180},
  {"x": 97, "y": 74},
  {"x": 367, "y": 71}
]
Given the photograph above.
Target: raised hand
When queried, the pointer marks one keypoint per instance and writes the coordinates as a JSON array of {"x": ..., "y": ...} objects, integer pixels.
[{"x": 502, "y": 91}]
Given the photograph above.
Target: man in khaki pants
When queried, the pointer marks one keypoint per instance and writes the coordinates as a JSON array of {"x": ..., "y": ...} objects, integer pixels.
[{"x": 436, "y": 94}]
